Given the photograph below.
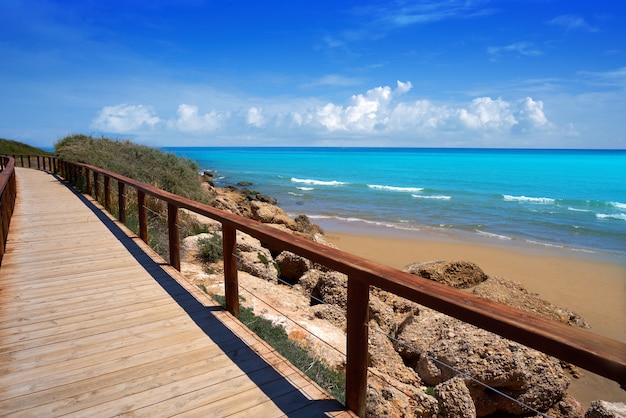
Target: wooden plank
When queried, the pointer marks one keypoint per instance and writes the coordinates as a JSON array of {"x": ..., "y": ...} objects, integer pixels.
[
  {"x": 78, "y": 330},
  {"x": 9, "y": 329},
  {"x": 153, "y": 363},
  {"x": 45, "y": 328},
  {"x": 89, "y": 310}
]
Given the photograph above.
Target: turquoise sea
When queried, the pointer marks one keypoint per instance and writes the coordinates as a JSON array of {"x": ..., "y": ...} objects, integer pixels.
[{"x": 573, "y": 199}]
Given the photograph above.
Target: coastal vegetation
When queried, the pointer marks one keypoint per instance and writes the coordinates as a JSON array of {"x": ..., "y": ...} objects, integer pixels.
[
  {"x": 164, "y": 170},
  {"x": 11, "y": 147}
]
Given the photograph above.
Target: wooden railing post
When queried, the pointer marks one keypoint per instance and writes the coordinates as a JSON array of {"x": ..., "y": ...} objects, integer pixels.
[
  {"x": 121, "y": 202},
  {"x": 22, "y": 160},
  {"x": 174, "y": 235},
  {"x": 107, "y": 193},
  {"x": 88, "y": 175},
  {"x": 29, "y": 164},
  {"x": 96, "y": 185},
  {"x": 231, "y": 281},
  {"x": 143, "y": 218},
  {"x": 356, "y": 345}
]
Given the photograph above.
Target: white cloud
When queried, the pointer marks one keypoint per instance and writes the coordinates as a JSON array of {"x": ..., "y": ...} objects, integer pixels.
[
  {"x": 365, "y": 112},
  {"x": 615, "y": 78},
  {"x": 124, "y": 118},
  {"x": 255, "y": 117},
  {"x": 382, "y": 110},
  {"x": 572, "y": 22},
  {"x": 410, "y": 13},
  {"x": 189, "y": 120},
  {"x": 336, "y": 80},
  {"x": 528, "y": 49},
  {"x": 531, "y": 113},
  {"x": 486, "y": 113}
]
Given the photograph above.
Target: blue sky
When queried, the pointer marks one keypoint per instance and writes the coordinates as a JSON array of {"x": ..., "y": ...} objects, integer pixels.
[{"x": 421, "y": 73}]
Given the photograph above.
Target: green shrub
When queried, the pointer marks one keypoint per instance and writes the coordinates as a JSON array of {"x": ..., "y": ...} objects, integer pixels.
[{"x": 210, "y": 249}]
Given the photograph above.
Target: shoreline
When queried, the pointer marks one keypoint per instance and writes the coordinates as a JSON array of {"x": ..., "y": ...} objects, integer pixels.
[{"x": 590, "y": 284}]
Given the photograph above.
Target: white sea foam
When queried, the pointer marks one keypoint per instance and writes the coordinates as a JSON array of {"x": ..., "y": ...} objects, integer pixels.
[
  {"x": 492, "y": 235},
  {"x": 578, "y": 210},
  {"x": 619, "y": 205},
  {"x": 317, "y": 182},
  {"x": 438, "y": 197},
  {"x": 539, "y": 200},
  {"x": 396, "y": 189},
  {"x": 621, "y": 216},
  {"x": 305, "y": 189},
  {"x": 363, "y": 221}
]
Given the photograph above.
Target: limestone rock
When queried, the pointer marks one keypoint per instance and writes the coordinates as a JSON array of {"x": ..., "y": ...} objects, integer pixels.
[
  {"x": 603, "y": 409},
  {"x": 328, "y": 286},
  {"x": 458, "y": 274},
  {"x": 522, "y": 373},
  {"x": 455, "y": 399},
  {"x": 209, "y": 223},
  {"x": 307, "y": 283},
  {"x": 226, "y": 204},
  {"x": 382, "y": 315},
  {"x": 387, "y": 397},
  {"x": 254, "y": 259},
  {"x": 292, "y": 266},
  {"x": 333, "y": 288},
  {"x": 514, "y": 294},
  {"x": 568, "y": 407},
  {"x": 267, "y": 213},
  {"x": 331, "y": 314},
  {"x": 384, "y": 358},
  {"x": 305, "y": 226}
]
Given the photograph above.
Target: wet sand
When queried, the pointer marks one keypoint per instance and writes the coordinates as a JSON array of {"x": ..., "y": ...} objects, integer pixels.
[{"x": 593, "y": 286}]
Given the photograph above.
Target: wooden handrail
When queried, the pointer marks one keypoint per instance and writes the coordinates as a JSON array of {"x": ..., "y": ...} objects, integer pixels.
[
  {"x": 8, "y": 194},
  {"x": 583, "y": 348}
]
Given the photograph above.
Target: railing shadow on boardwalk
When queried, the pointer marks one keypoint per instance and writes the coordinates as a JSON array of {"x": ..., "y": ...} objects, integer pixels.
[{"x": 271, "y": 382}]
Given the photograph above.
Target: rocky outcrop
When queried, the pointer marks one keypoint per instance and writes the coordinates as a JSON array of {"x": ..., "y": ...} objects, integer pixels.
[
  {"x": 458, "y": 274},
  {"x": 448, "y": 346},
  {"x": 455, "y": 399},
  {"x": 292, "y": 266},
  {"x": 513, "y": 294},
  {"x": 388, "y": 397},
  {"x": 271, "y": 214},
  {"x": 255, "y": 259},
  {"x": 603, "y": 409}
]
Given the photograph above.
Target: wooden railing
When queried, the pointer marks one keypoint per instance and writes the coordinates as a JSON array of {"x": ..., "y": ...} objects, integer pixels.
[
  {"x": 592, "y": 352},
  {"x": 8, "y": 193}
]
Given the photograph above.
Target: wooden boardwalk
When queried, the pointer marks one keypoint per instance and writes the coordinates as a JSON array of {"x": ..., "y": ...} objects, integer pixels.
[{"x": 93, "y": 324}]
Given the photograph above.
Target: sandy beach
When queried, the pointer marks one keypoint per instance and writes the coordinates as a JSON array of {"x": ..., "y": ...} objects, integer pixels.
[{"x": 593, "y": 286}]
